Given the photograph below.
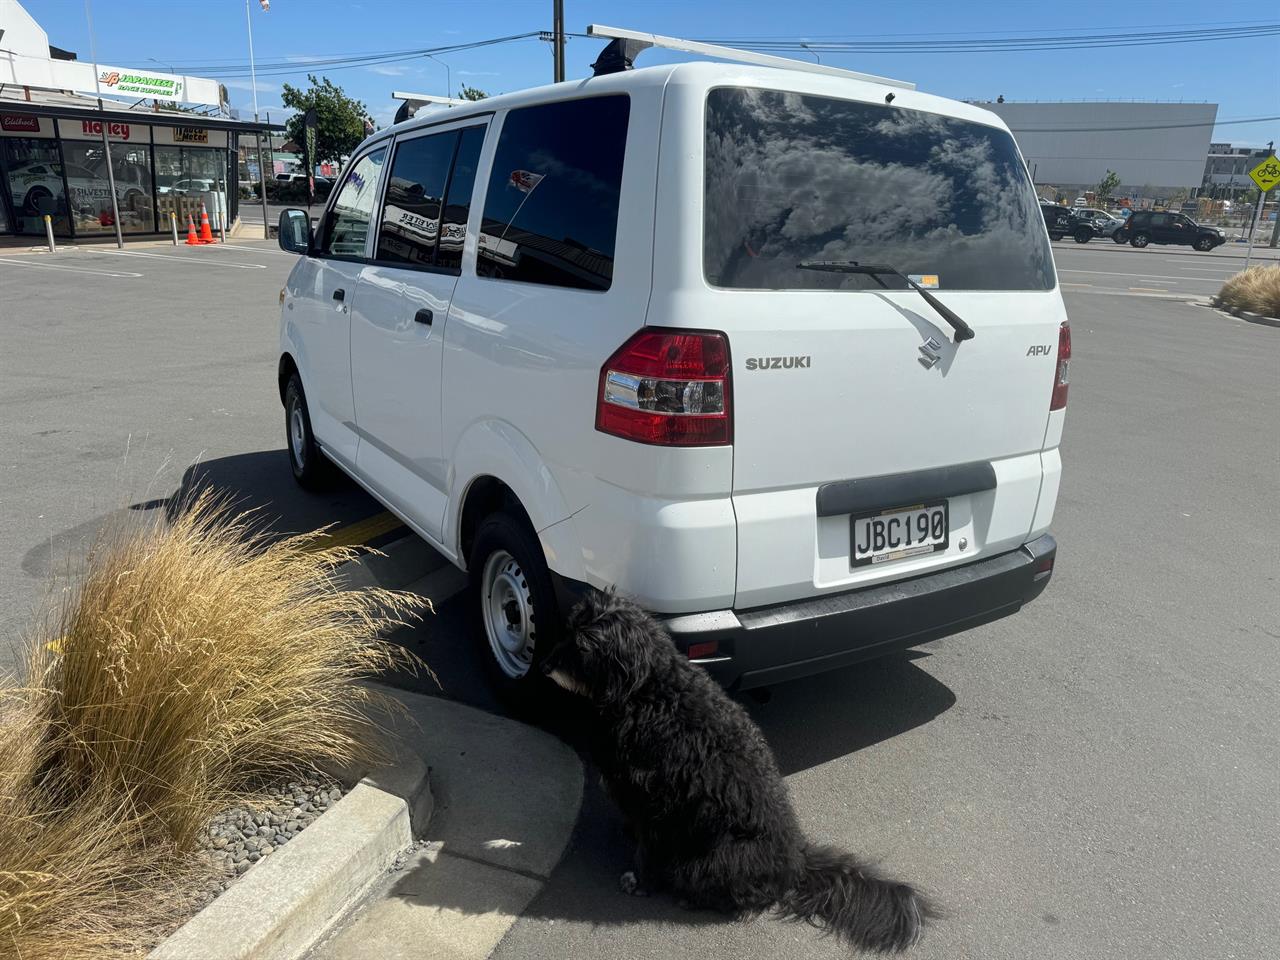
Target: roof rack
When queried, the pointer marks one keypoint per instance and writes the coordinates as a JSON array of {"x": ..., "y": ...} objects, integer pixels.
[
  {"x": 414, "y": 101},
  {"x": 628, "y": 44}
]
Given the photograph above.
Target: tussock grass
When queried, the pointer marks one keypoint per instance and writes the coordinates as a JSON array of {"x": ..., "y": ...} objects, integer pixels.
[
  {"x": 1256, "y": 290},
  {"x": 195, "y": 663}
]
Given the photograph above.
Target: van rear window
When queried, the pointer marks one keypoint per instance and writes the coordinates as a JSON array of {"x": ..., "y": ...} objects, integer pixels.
[{"x": 792, "y": 177}]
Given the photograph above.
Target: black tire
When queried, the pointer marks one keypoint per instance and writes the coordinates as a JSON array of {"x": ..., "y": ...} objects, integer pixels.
[
  {"x": 1204, "y": 244},
  {"x": 1139, "y": 240},
  {"x": 310, "y": 467},
  {"x": 30, "y": 203},
  {"x": 506, "y": 566},
  {"x": 1119, "y": 237},
  {"x": 1083, "y": 236},
  {"x": 1056, "y": 236}
]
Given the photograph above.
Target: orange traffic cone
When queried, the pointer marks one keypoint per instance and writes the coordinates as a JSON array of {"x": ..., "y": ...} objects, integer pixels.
[
  {"x": 192, "y": 239},
  {"x": 206, "y": 235}
]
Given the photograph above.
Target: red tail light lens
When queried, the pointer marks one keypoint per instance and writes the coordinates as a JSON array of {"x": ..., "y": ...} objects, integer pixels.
[
  {"x": 668, "y": 387},
  {"x": 1059, "y": 399}
]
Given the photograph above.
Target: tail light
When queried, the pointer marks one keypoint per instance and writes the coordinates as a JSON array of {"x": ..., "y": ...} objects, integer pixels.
[
  {"x": 668, "y": 387},
  {"x": 1059, "y": 400}
]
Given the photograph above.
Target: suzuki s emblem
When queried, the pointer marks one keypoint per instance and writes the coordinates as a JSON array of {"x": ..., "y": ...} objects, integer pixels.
[{"x": 929, "y": 355}]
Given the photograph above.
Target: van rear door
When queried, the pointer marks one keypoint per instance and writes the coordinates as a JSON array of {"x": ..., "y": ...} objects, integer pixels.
[{"x": 868, "y": 443}]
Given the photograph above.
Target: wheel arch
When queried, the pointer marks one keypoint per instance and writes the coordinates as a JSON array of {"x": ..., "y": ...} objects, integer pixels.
[
  {"x": 495, "y": 466},
  {"x": 284, "y": 370}
]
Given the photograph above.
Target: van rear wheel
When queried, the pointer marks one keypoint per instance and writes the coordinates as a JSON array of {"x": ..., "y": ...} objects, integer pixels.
[{"x": 512, "y": 603}]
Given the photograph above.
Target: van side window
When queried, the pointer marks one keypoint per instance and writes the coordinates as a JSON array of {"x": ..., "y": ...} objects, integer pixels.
[
  {"x": 347, "y": 225},
  {"x": 411, "y": 212},
  {"x": 457, "y": 204},
  {"x": 551, "y": 209}
]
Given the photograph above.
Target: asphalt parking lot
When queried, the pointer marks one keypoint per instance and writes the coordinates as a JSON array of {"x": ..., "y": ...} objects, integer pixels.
[{"x": 1093, "y": 778}]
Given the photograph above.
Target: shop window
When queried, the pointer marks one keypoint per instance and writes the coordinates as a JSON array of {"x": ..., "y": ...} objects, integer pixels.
[
  {"x": 187, "y": 177},
  {"x": 89, "y": 190},
  {"x": 34, "y": 171}
]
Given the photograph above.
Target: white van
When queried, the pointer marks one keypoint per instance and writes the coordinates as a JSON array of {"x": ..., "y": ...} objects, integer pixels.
[{"x": 654, "y": 330}]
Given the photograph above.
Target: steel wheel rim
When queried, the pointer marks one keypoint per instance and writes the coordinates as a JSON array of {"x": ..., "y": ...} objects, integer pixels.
[
  {"x": 297, "y": 435},
  {"x": 506, "y": 606}
]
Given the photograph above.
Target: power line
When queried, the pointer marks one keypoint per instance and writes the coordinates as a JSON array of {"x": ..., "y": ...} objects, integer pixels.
[
  {"x": 1126, "y": 128},
  {"x": 1005, "y": 45}
]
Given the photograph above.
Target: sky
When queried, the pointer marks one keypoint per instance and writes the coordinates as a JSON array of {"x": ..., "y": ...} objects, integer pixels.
[{"x": 206, "y": 37}]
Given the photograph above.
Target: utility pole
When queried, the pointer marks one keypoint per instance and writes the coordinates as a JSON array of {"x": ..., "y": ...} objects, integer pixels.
[
  {"x": 1275, "y": 231},
  {"x": 257, "y": 134},
  {"x": 557, "y": 39}
]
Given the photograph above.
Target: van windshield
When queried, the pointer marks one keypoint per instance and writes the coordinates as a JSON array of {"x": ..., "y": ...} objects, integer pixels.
[{"x": 792, "y": 177}]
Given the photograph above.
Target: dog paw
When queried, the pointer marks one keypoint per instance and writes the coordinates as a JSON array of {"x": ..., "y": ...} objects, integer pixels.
[{"x": 630, "y": 884}]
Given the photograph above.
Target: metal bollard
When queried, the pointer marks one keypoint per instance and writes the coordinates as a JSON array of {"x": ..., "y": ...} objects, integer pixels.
[
  {"x": 173, "y": 222},
  {"x": 222, "y": 225},
  {"x": 48, "y": 232}
]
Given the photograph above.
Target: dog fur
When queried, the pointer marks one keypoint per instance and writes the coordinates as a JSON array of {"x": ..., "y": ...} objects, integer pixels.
[{"x": 698, "y": 785}]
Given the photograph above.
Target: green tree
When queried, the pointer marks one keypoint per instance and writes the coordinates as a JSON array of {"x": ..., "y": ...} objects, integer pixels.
[
  {"x": 471, "y": 93},
  {"x": 340, "y": 120},
  {"x": 1106, "y": 187}
]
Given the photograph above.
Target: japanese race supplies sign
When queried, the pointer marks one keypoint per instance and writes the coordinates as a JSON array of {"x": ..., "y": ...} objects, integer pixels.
[
  {"x": 1266, "y": 174},
  {"x": 159, "y": 86}
]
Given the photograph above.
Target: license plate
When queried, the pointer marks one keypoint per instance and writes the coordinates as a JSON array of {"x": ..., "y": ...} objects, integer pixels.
[{"x": 898, "y": 533}]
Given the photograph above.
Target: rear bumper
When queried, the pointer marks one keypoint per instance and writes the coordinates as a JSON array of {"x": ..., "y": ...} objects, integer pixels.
[{"x": 784, "y": 641}]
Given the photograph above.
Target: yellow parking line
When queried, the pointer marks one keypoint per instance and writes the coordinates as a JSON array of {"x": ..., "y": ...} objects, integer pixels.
[
  {"x": 1149, "y": 290},
  {"x": 359, "y": 533}
]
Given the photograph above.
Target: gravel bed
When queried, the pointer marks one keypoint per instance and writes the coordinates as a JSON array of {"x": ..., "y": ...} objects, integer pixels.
[{"x": 239, "y": 837}]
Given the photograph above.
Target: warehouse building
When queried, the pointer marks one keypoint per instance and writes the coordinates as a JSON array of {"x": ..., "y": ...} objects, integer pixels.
[{"x": 1155, "y": 148}]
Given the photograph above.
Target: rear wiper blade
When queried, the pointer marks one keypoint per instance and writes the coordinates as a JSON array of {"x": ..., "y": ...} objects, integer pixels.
[{"x": 877, "y": 270}]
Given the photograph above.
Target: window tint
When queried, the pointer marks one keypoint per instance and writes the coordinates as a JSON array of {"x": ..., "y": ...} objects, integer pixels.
[
  {"x": 415, "y": 190},
  {"x": 791, "y": 177},
  {"x": 1160, "y": 220},
  {"x": 458, "y": 202},
  {"x": 347, "y": 224},
  {"x": 551, "y": 209}
]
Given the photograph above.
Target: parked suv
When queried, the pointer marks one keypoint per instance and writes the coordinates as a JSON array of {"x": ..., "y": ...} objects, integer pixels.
[
  {"x": 1057, "y": 220},
  {"x": 783, "y": 361},
  {"x": 1144, "y": 227}
]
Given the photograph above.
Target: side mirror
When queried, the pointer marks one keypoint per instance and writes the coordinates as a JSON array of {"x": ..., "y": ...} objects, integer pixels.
[{"x": 295, "y": 231}]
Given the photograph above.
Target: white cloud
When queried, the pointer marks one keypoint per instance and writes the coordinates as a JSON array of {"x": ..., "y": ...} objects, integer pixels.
[
  {"x": 477, "y": 73},
  {"x": 263, "y": 87},
  {"x": 389, "y": 70}
]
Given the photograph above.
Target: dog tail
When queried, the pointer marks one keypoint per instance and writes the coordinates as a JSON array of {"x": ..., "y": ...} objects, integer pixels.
[{"x": 845, "y": 897}]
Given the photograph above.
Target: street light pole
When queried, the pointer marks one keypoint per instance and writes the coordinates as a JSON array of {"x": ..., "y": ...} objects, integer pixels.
[
  {"x": 448, "y": 75},
  {"x": 106, "y": 144},
  {"x": 257, "y": 134}
]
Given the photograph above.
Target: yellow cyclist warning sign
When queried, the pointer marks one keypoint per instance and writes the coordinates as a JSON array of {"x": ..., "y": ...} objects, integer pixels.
[{"x": 1266, "y": 174}]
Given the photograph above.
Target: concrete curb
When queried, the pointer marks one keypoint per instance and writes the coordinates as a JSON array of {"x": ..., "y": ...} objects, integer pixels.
[
  {"x": 287, "y": 903},
  {"x": 507, "y": 801},
  {"x": 1261, "y": 319}
]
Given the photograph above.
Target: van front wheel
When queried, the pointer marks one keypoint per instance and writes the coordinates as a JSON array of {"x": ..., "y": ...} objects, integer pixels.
[{"x": 513, "y": 606}]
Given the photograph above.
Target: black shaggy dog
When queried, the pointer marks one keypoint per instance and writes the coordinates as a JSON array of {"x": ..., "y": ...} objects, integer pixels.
[{"x": 699, "y": 787}]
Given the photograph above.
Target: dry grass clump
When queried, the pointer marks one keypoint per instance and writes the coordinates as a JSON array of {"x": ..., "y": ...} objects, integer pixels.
[
  {"x": 195, "y": 663},
  {"x": 1256, "y": 290}
]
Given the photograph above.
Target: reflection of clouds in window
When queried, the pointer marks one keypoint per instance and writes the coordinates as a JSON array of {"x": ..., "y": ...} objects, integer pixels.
[
  {"x": 540, "y": 161},
  {"x": 793, "y": 177}
]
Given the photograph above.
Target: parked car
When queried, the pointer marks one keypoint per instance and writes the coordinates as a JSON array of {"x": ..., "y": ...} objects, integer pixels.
[
  {"x": 668, "y": 358},
  {"x": 1106, "y": 224},
  {"x": 1057, "y": 219},
  {"x": 1145, "y": 226}
]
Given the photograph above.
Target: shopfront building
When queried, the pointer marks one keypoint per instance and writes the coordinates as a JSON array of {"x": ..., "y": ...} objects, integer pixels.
[{"x": 52, "y": 161}]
